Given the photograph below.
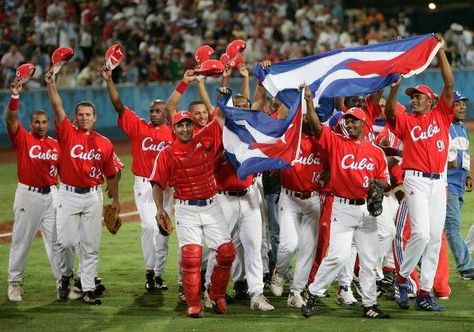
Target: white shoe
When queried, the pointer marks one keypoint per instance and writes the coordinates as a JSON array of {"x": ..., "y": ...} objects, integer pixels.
[
  {"x": 207, "y": 300},
  {"x": 345, "y": 297},
  {"x": 277, "y": 283},
  {"x": 14, "y": 293},
  {"x": 260, "y": 302},
  {"x": 74, "y": 295},
  {"x": 295, "y": 300}
]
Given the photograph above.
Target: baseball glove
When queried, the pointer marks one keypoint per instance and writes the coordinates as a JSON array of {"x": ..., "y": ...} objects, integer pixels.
[
  {"x": 112, "y": 219},
  {"x": 164, "y": 224},
  {"x": 375, "y": 198}
]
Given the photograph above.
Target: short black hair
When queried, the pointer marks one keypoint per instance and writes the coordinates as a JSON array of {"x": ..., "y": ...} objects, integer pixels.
[
  {"x": 39, "y": 112},
  {"x": 85, "y": 103}
]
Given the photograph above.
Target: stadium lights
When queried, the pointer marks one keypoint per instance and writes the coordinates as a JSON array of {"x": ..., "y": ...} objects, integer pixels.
[{"x": 432, "y": 6}]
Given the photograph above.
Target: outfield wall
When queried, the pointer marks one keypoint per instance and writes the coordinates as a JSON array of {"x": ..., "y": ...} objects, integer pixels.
[{"x": 139, "y": 98}]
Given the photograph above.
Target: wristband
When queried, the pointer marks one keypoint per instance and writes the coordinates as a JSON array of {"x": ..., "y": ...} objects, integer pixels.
[
  {"x": 260, "y": 83},
  {"x": 181, "y": 87},
  {"x": 14, "y": 103}
]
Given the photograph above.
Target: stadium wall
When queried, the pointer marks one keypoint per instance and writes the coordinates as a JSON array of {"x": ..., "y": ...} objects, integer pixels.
[{"x": 139, "y": 97}]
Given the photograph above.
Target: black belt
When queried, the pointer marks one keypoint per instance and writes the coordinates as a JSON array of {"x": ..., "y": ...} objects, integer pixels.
[
  {"x": 351, "y": 201},
  {"x": 43, "y": 191},
  {"x": 197, "y": 202},
  {"x": 300, "y": 195},
  {"x": 431, "y": 176},
  {"x": 239, "y": 193},
  {"x": 81, "y": 190}
]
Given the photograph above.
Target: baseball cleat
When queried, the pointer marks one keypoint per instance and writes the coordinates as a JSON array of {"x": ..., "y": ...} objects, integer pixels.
[
  {"x": 375, "y": 312},
  {"x": 345, "y": 297},
  {"x": 277, "y": 283},
  {"x": 241, "y": 290},
  {"x": 63, "y": 288},
  {"x": 195, "y": 312},
  {"x": 467, "y": 275},
  {"x": 159, "y": 283},
  {"x": 427, "y": 303},
  {"x": 150, "y": 281},
  {"x": 308, "y": 309},
  {"x": 260, "y": 302},
  {"x": 295, "y": 300},
  {"x": 90, "y": 298},
  {"x": 14, "y": 293},
  {"x": 401, "y": 296}
]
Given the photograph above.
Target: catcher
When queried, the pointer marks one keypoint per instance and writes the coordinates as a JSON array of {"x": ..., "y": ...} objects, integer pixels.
[{"x": 353, "y": 160}]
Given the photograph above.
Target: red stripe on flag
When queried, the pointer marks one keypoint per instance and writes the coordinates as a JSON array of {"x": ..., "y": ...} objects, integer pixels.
[{"x": 402, "y": 64}]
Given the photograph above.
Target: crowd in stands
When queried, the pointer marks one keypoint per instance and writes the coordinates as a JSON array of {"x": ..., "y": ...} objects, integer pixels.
[{"x": 160, "y": 36}]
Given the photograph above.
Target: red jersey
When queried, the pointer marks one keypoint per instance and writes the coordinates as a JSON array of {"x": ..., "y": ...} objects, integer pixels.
[
  {"x": 37, "y": 158},
  {"x": 86, "y": 156},
  {"x": 189, "y": 166},
  {"x": 425, "y": 138},
  {"x": 304, "y": 174},
  {"x": 372, "y": 112},
  {"x": 226, "y": 176},
  {"x": 387, "y": 138},
  {"x": 147, "y": 141},
  {"x": 353, "y": 164}
]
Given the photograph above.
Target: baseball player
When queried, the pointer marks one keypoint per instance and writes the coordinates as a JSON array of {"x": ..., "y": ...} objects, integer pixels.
[
  {"x": 188, "y": 165},
  {"x": 299, "y": 210},
  {"x": 425, "y": 140},
  {"x": 36, "y": 195},
  {"x": 86, "y": 160},
  {"x": 241, "y": 208},
  {"x": 356, "y": 161},
  {"x": 459, "y": 180},
  {"x": 148, "y": 139}
]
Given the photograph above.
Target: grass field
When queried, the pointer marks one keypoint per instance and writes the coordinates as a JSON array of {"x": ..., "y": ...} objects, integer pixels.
[{"x": 126, "y": 306}]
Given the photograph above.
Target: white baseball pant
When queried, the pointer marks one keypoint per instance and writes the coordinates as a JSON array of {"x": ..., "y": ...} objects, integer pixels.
[
  {"x": 426, "y": 200},
  {"x": 79, "y": 224},
  {"x": 33, "y": 211},
  {"x": 298, "y": 219},
  {"x": 244, "y": 223},
  {"x": 348, "y": 223},
  {"x": 386, "y": 231},
  {"x": 154, "y": 244}
]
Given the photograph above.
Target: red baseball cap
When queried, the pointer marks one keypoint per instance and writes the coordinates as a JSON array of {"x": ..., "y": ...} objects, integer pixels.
[
  {"x": 356, "y": 112},
  {"x": 181, "y": 116},
  {"x": 423, "y": 89}
]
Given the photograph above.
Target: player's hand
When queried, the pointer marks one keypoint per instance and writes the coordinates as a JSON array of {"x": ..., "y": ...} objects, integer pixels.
[
  {"x": 307, "y": 92},
  {"x": 16, "y": 88},
  {"x": 244, "y": 72},
  {"x": 397, "y": 83},
  {"x": 265, "y": 64},
  {"x": 50, "y": 78},
  {"x": 189, "y": 76},
  {"x": 224, "y": 90},
  {"x": 106, "y": 73},
  {"x": 227, "y": 72},
  {"x": 440, "y": 39},
  {"x": 469, "y": 184}
]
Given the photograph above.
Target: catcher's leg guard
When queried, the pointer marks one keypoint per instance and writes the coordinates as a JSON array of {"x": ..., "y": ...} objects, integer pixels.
[
  {"x": 191, "y": 262},
  {"x": 220, "y": 276}
]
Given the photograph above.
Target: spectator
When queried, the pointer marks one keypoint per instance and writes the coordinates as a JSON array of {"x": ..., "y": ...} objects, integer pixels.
[{"x": 9, "y": 62}]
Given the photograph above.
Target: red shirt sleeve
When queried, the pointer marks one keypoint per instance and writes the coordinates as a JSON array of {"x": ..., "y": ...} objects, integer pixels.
[
  {"x": 162, "y": 169},
  {"x": 373, "y": 111},
  {"x": 129, "y": 122},
  {"x": 110, "y": 164},
  {"x": 446, "y": 112},
  {"x": 63, "y": 129},
  {"x": 327, "y": 139},
  {"x": 399, "y": 128},
  {"x": 18, "y": 137}
]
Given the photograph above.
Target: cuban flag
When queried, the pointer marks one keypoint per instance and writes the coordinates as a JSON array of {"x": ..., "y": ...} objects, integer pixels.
[
  {"x": 255, "y": 142},
  {"x": 348, "y": 72}
]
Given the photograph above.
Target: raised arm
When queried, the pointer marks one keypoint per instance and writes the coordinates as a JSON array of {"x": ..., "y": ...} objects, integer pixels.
[
  {"x": 203, "y": 95},
  {"x": 245, "y": 91},
  {"x": 13, "y": 105},
  {"x": 260, "y": 95},
  {"x": 112, "y": 90},
  {"x": 311, "y": 112},
  {"x": 447, "y": 94},
  {"x": 391, "y": 106},
  {"x": 54, "y": 98},
  {"x": 175, "y": 98}
]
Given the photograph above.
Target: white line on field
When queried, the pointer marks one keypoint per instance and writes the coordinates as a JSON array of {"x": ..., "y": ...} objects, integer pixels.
[{"x": 122, "y": 215}]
